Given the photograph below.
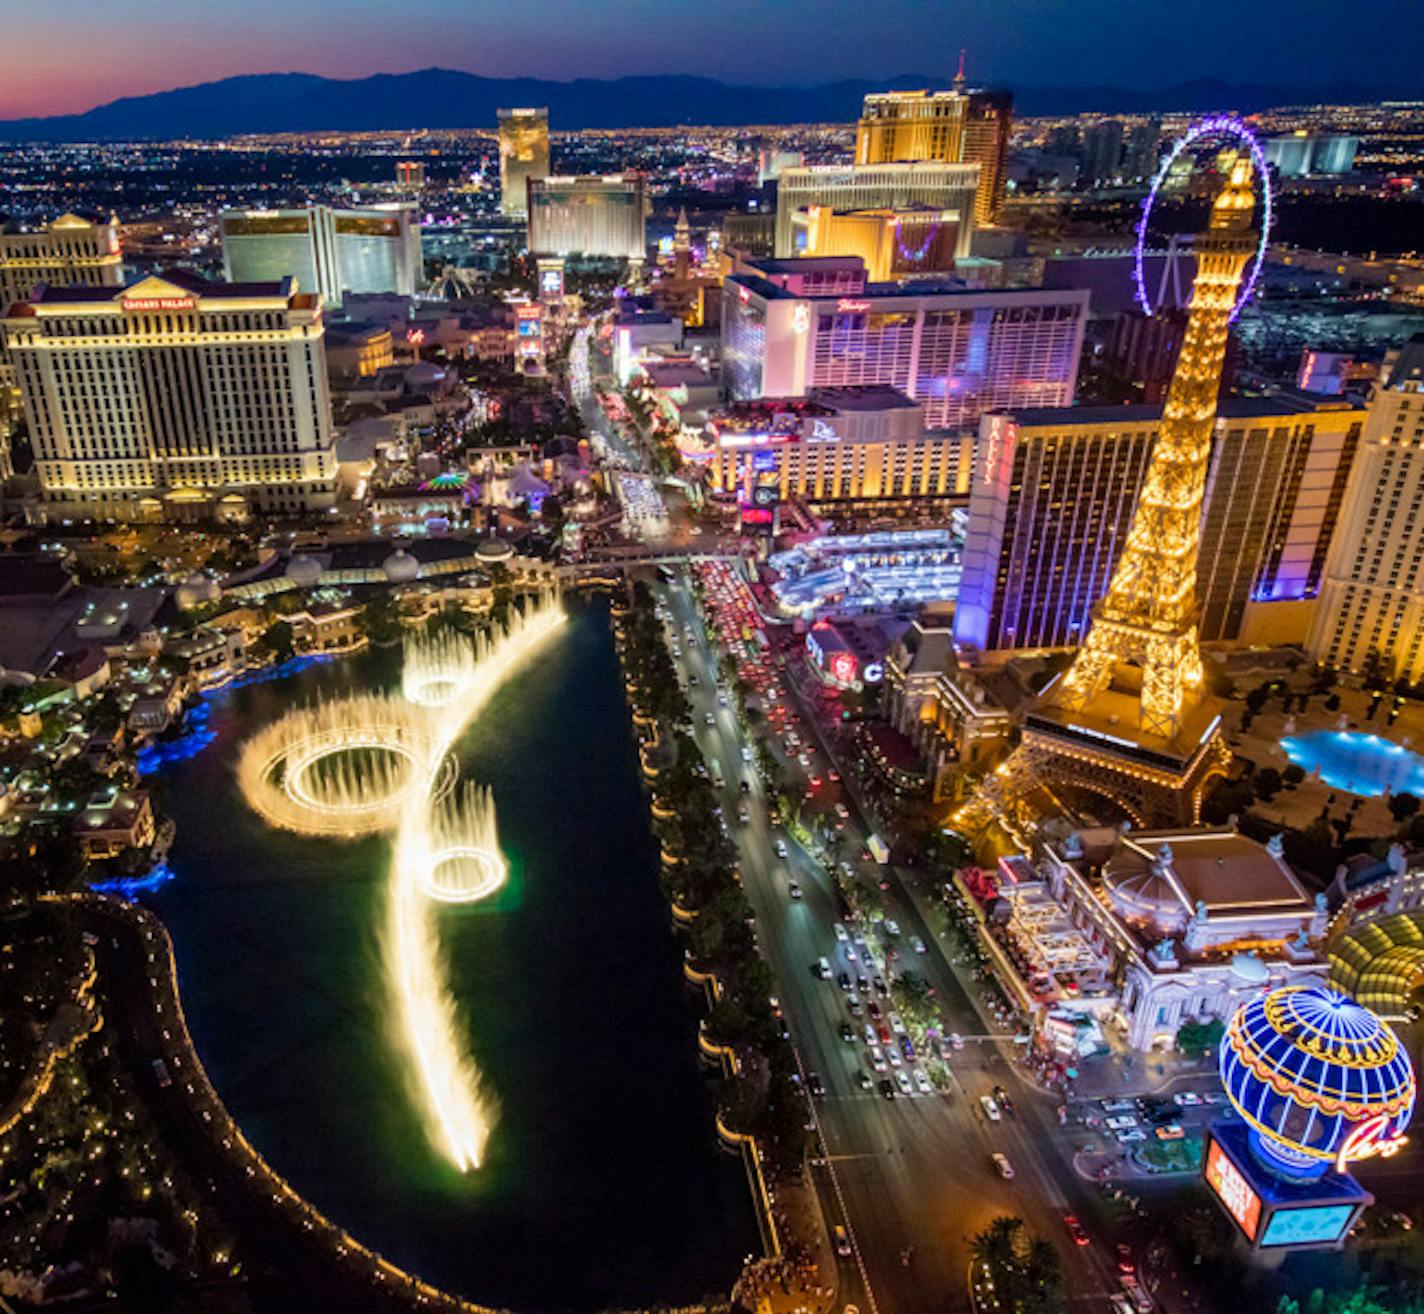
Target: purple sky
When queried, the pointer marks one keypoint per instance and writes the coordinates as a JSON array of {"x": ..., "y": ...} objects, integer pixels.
[{"x": 70, "y": 56}]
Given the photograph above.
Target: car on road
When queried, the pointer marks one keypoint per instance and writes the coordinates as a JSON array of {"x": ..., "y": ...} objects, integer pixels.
[
  {"x": 1131, "y": 1135},
  {"x": 793, "y": 889},
  {"x": 743, "y": 815},
  {"x": 1187, "y": 1099},
  {"x": 991, "y": 1110},
  {"x": 907, "y": 1049},
  {"x": 721, "y": 699},
  {"x": 1005, "y": 1103},
  {"x": 923, "y": 1084},
  {"x": 847, "y": 1034},
  {"x": 822, "y": 969},
  {"x": 903, "y": 1078},
  {"x": 1118, "y": 1106},
  {"x": 1076, "y": 1230},
  {"x": 814, "y": 1084},
  {"x": 842, "y": 1241},
  {"x": 870, "y": 1037},
  {"x": 843, "y": 980},
  {"x": 781, "y": 849},
  {"x": 842, "y": 811},
  {"x": 877, "y": 1058},
  {"x": 917, "y": 944},
  {"x": 887, "y": 1088},
  {"x": 897, "y": 1024},
  {"x": 841, "y": 933},
  {"x": 1141, "y": 1301},
  {"x": 891, "y": 926},
  {"x": 1171, "y": 1132},
  {"x": 880, "y": 987},
  {"x": 1001, "y": 1162},
  {"x": 710, "y": 718},
  {"x": 1121, "y": 1122},
  {"x": 893, "y": 1055}
]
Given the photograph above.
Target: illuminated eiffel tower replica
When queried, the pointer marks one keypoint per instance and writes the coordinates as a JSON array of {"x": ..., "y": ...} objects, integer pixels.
[{"x": 1130, "y": 719}]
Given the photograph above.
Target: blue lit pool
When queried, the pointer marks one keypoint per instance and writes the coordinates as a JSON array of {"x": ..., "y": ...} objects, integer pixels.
[{"x": 1359, "y": 763}]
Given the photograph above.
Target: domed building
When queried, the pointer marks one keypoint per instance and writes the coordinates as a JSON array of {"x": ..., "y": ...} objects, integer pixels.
[
  {"x": 305, "y": 571},
  {"x": 1153, "y": 930},
  {"x": 400, "y": 567}
]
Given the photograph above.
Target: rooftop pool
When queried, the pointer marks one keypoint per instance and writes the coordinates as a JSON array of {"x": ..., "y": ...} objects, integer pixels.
[{"x": 1360, "y": 763}]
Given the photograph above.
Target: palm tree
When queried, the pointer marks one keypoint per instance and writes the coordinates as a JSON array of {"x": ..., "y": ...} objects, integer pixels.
[
  {"x": 997, "y": 1245},
  {"x": 1042, "y": 1278}
]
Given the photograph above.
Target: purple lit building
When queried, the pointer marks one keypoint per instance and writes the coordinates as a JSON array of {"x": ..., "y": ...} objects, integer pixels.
[{"x": 1051, "y": 499}]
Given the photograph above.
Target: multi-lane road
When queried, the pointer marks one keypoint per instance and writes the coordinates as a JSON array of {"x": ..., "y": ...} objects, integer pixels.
[{"x": 912, "y": 1178}]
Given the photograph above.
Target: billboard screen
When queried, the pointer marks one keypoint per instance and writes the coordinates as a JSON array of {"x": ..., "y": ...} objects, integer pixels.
[
  {"x": 1233, "y": 1190},
  {"x": 1309, "y": 1226}
]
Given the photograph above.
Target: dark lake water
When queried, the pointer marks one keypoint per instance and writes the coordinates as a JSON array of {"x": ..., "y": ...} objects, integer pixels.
[{"x": 603, "y": 1184}]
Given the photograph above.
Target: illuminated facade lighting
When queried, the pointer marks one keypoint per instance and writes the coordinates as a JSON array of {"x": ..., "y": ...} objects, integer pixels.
[{"x": 176, "y": 398}]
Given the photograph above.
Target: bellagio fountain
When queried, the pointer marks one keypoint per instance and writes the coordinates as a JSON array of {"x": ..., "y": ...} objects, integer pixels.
[{"x": 372, "y": 764}]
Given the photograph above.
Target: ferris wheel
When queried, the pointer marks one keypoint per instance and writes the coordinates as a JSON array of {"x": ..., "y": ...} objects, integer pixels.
[{"x": 1225, "y": 128}]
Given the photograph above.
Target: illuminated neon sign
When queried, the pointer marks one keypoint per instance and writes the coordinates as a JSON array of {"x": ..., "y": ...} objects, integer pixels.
[
  {"x": 800, "y": 318},
  {"x": 1233, "y": 1190},
  {"x": 851, "y": 307},
  {"x": 843, "y": 667},
  {"x": 994, "y": 446},
  {"x": 1370, "y": 1140},
  {"x": 159, "y": 303}
]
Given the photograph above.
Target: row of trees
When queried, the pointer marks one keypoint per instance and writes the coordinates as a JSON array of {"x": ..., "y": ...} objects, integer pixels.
[{"x": 763, "y": 1100}]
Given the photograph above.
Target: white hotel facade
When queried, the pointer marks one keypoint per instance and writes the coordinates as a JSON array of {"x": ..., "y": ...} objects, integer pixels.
[
  {"x": 176, "y": 398},
  {"x": 789, "y": 326}
]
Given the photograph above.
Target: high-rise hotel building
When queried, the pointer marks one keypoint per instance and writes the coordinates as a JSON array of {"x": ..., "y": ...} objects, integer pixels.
[
  {"x": 374, "y": 249},
  {"x": 523, "y": 154},
  {"x": 175, "y": 398},
  {"x": 1052, "y": 495},
  {"x": 789, "y": 326},
  {"x": 71, "y": 250},
  {"x": 944, "y": 189},
  {"x": 588, "y": 215},
  {"x": 837, "y": 445},
  {"x": 1373, "y": 597},
  {"x": 955, "y": 127}
]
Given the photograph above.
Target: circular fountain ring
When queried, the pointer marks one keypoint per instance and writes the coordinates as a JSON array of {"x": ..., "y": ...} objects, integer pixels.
[
  {"x": 464, "y": 873},
  {"x": 289, "y": 795}
]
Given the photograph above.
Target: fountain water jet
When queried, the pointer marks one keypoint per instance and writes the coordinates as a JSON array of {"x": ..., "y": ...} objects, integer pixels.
[{"x": 445, "y": 849}]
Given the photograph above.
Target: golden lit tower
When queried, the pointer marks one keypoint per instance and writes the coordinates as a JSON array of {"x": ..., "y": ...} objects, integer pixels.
[
  {"x": 1130, "y": 719},
  {"x": 1149, "y": 617}
]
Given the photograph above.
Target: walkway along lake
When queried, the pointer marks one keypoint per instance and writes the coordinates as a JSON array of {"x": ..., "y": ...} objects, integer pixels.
[{"x": 604, "y": 1184}]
